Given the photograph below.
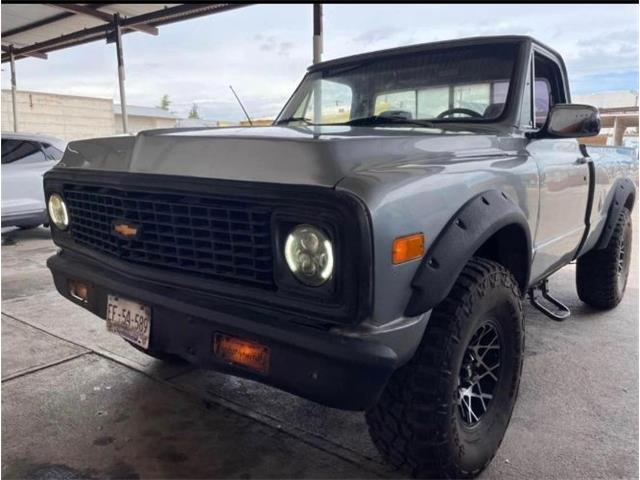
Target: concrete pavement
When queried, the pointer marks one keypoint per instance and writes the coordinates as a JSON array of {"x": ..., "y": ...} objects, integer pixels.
[{"x": 79, "y": 402}]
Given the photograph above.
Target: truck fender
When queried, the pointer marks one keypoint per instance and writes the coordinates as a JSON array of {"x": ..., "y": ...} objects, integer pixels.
[
  {"x": 476, "y": 222},
  {"x": 624, "y": 195}
]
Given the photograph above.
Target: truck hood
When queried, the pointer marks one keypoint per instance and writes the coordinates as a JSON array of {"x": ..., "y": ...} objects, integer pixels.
[{"x": 319, "y": 156}]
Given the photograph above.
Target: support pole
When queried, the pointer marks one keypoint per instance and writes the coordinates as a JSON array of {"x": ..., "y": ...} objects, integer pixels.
[
  {"x": 618, "y": 131},
  {"x": 13, "y": 89},
  {"x": 317, "y": 57},
  {"x": 123, "y": 97},
  {"x": 317, "y": 32}
]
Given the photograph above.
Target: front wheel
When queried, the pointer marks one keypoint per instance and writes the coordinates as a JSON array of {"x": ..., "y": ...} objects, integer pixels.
[{"x": 445, "y": 413}]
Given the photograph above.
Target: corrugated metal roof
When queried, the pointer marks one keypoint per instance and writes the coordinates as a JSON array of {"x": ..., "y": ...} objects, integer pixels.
[{"x": 35, "y": 29}]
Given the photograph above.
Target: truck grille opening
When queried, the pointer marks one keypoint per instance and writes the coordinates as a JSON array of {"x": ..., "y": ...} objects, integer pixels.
[{"x": 203, "y": 235}]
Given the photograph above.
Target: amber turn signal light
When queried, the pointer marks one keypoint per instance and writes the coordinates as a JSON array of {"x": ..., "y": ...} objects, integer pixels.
[
  {"x": 242, "y": 352},
  {"x": 408, "y": 248},
  {"x": 79, "y": 290}
]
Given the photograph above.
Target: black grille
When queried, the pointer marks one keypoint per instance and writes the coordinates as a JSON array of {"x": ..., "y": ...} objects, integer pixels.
[{"x": 207, "y": 236}]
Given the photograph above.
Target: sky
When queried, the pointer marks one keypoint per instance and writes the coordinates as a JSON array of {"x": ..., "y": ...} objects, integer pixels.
[{"x": 264, "y": 50}]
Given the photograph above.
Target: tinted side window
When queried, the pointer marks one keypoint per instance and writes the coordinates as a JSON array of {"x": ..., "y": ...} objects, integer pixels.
[
  {"x": 542, "y": 101},
  {"x": 51, "y": 152},
  {"x": 16, "y": 150},
  {"x": 8, "y": 149},
  {"x": 548, "y": 87}
]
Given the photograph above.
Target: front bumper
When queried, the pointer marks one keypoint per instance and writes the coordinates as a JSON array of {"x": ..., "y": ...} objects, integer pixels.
[{"x": 335, "y": 370}]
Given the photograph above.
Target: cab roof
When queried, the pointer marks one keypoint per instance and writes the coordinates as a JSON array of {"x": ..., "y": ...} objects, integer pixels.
[{"x": 459, "y": 42}]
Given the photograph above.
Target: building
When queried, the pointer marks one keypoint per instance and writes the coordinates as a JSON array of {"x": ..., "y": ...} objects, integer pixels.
[
  {"x": 144, "y": 118},
  {"x": 619, "y": 114},
  {"x": 198, "y": 123},
  {"x": 257, "y": 122},
  {"x": 73, "y": 117},
  {"x": 68, "y": 117}
]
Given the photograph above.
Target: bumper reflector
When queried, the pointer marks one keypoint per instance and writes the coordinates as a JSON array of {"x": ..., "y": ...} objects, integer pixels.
[
  {"x": 241, "y": 352},
  {"x": 408, "y": 248},
  {"x": 79, "y": 290}
]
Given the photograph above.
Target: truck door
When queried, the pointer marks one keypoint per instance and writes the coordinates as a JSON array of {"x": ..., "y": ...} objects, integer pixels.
[{"x": 564, "y": 177}]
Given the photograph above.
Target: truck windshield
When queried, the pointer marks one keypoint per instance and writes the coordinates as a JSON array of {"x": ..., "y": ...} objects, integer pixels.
[{"x": 460, "y": 84}]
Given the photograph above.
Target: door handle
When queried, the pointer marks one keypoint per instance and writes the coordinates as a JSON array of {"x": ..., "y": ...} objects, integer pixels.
[{"x": 582, "y": 160}]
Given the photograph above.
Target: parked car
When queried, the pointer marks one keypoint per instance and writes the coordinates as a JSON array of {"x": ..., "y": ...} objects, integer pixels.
[
  {"x": 369, "y": 251},
  {"x": 25, "y": 158}
]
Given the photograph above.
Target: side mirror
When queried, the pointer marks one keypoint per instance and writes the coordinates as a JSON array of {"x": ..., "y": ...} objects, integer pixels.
[{"x": 567, "y": 120}]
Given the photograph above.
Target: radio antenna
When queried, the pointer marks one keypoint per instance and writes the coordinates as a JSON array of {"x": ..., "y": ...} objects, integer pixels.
[{"x": 241, "y": 106}]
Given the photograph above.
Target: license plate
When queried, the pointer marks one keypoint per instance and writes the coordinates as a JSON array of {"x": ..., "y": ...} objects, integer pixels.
[{"x": 129, "y": 319}]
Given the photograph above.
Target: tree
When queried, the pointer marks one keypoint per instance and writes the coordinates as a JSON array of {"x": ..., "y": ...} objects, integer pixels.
[
  {"x": 193, "y": 113},
  {"x": 164, "y": 102}
]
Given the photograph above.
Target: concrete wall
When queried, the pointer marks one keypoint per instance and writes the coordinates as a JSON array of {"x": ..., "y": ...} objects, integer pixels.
[
  {"x": 71, "y": 117},
  {"x": 137, "y": 123},
  {"x": 64, "y": 116}
]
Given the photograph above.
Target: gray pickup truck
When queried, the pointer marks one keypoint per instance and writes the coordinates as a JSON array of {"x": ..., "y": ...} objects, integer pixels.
[{"x": 371, "y": 250}]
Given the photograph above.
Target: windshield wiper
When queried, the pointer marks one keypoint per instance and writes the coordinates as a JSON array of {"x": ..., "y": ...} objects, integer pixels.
[
  {"x": 294, "y": 119},
  {"x": 387, "y": 120}
]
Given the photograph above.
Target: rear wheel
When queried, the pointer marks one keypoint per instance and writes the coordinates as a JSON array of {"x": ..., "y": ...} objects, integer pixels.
[
  {"x": 601, "y": 275},
  {"x": 444, "y": 413}
]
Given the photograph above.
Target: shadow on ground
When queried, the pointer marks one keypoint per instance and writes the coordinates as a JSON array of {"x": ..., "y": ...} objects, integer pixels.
[{"x": 79, "y": 402}]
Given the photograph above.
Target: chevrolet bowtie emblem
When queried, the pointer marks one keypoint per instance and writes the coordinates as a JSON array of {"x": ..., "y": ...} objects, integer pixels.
[{"x": 125, "y": 229}]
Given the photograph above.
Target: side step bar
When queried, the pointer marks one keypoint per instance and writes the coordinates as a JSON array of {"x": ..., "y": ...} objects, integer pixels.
[{"x": 561, "y": 312}]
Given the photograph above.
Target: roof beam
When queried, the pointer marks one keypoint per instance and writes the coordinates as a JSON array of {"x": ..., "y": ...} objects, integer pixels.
[
  {"x": 75, "y": 38},
  {"x": 43, "y": 22},
  {"x": 104, "y": 16},
  {"x": 43, "y": 56},
  {"x": 34, "y": 25},
  {"x": 99, "y": 32},
  {"x": 183, "y": 11}
]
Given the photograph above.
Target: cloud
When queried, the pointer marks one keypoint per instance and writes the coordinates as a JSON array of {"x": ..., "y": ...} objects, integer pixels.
[
  {"x": 263, "y": 50},
  {"x": 266, "y": 44},
  {"x": 613, "y": 52},
  {"x": 284, "y": 48},
  {"x": 377, "y": 35},
  {"x": 271, "y": 43}
]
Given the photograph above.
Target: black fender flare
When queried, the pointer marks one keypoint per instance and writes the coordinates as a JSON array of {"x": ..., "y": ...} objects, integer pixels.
[
  {"x": 472, "y": 225},
  {"x": 624, "y": 188}
]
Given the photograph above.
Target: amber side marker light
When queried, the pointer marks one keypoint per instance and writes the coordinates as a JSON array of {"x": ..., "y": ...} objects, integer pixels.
[
  {"x": 408, "y": 248},
  {"x": 242, "y": 352},
  {"x": 79, "y": 290}
]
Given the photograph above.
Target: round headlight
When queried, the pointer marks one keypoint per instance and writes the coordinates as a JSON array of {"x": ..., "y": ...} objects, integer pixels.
[
  {"x": 309, "y": 255},
  {"x": 58, "y": 211}
]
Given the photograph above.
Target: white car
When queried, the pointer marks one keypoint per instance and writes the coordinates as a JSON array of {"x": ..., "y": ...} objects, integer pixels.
[{"x": 25, "y": 158}]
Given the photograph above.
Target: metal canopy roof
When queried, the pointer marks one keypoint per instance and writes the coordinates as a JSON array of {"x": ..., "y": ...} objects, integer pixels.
[{"x": 36, "y": 28}]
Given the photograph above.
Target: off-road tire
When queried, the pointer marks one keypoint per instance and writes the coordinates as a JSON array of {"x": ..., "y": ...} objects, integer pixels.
[
  {"x": 416, "y": 424},
  {"x": 601, "y": 275},
  {"x": 162, "y": 356}
]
